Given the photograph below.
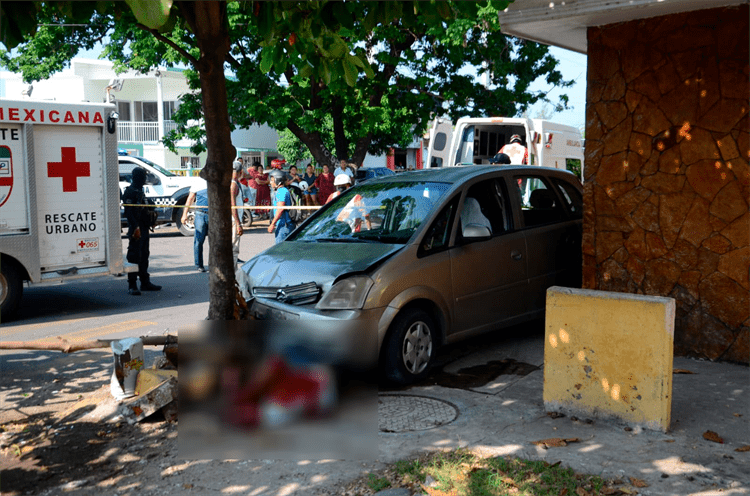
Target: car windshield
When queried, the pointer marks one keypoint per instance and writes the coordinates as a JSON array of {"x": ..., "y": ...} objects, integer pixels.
[
  {"x": 157, "y": 167},
  {"x": 379, "y": 212}
]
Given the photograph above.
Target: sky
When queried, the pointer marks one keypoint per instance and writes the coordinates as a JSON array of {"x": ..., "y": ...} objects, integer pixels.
[{"x": 572, "y": 66}]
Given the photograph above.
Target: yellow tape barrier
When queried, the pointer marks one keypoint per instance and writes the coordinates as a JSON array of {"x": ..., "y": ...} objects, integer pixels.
[{"x": 256, "y": 207}]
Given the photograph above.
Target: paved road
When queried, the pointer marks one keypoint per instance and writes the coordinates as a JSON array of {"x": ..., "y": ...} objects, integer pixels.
[{"x": 100, "y": 308}]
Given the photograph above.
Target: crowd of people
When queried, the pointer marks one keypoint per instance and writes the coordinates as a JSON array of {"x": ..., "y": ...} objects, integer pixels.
[{"x": 316, "y": 188}]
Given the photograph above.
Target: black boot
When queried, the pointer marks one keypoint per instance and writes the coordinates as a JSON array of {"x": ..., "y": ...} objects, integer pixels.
[
  {"x": 133, "y": 287},
  {"x": 146, "y": 285}
]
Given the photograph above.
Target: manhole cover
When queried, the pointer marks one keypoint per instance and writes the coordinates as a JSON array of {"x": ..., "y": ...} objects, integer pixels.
[{"x": 404, "y": 413}]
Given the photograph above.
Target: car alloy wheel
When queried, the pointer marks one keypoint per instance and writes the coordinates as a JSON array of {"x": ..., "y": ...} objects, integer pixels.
[
  {"x": 410, "y": 346},
  {"x": 416, "y": 349}
]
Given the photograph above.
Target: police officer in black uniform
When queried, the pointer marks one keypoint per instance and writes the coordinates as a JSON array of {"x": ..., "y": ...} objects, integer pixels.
[{"x": 139, "y": 223}]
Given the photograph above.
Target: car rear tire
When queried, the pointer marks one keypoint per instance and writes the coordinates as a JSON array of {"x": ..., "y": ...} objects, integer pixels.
[
  {"x": 188, "y": 228},
  {"x": 11, "y": 290},
  {"x": 410, "y": 347}
]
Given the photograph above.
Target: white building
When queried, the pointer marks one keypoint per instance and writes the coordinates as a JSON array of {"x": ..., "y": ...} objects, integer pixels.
[{"x": 145, "y": 102}]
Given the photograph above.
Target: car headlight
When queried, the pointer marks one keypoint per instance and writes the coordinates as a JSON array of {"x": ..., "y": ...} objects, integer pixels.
[{"x": 347, "y": 294}]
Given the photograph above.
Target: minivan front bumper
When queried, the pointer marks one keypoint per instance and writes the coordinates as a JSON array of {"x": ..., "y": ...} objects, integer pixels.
[{"x": 337, "y": 337}]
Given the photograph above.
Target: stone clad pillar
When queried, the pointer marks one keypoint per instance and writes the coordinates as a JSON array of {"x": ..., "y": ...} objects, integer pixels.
[{"x": 666, "y": 180}]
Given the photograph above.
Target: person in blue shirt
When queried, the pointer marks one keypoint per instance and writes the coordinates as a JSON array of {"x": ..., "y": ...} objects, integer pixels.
[
  {"x": 198, "y": 195},
  {"x": 281, "y": 223}
]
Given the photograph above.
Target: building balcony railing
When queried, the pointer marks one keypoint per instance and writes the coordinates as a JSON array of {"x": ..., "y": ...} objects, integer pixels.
[{"x": 141, "y": 131}]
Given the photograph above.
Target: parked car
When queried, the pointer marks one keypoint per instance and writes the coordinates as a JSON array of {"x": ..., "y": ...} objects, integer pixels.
[
  {"x": 421, "y": 259},
  {"x": 163, "y": 187},
  {"x": 365, "y": 173}
]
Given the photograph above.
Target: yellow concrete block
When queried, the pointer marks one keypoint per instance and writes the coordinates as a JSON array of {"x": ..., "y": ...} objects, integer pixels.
[
  {"x": 148, "y": 378},
  {"x": 609, "y": 355}
]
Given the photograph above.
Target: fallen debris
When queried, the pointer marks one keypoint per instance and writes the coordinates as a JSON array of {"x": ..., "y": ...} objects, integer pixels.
[
  {"x": 713, "y": 437},
  {"x": 556, "y": 442},
  {"x": 151, "y": 401}
]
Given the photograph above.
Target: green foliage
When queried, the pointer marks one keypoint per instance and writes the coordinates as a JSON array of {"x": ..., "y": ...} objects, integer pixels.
[
  {"x": 292, "y": 148},
  {"x": 152, "y": 13},
  {"x": 51, "y": 34},
  {"x": 349, "y": 77}
]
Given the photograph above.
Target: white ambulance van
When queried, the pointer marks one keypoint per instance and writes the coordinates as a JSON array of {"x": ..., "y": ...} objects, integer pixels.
[
  {"x": 59, "y": 195},
  {"x": 478, "y": 140}
]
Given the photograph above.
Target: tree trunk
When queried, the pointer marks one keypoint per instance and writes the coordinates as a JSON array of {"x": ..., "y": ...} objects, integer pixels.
[
  {"x": 341, "y": 144},
  {"x": 211, "y": 32},
  {"x": 315, "y": 144},
  {"x": 360, "y": 149}
]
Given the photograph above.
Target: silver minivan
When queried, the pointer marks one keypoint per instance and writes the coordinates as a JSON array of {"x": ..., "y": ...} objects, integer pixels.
[{"x": 398, "y": 266}]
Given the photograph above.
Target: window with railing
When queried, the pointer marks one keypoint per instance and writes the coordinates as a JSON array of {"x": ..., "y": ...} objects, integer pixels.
[{"x": 189, "y": 162}]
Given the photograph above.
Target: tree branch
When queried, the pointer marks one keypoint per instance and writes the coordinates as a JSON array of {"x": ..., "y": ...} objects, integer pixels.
[
  {"x": 233, "y": 61},
  {"x": 169, "y": 42}
]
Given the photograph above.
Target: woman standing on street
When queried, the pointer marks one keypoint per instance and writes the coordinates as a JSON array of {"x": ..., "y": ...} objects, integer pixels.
[
  {"x": 324, "y": 183},
  {"x": 311, "y": 195},
  {"x": 263, "y": 198}
]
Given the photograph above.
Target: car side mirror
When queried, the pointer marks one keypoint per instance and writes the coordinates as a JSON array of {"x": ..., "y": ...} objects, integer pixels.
[
  {"x": 476, "y": 232},
  {"x": 152, "y": 179}
]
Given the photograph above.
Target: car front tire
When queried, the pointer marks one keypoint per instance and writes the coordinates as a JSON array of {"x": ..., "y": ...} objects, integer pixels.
[
  {"x": 410, "y": 347},
  {"x": 188, "y": 228}
]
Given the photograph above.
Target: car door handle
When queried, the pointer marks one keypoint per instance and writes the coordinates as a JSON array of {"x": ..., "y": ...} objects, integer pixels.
[{"x": 516, "y": 255}]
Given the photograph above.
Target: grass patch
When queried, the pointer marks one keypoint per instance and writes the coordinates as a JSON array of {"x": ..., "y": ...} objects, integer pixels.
[
  {"x": 464, "y": 473},
  {"x": 377, "y": 483}
]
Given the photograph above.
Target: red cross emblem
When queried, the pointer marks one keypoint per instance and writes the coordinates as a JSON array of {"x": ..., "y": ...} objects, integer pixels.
[
  {"x": 68, "y": 169},
  {"x": 81, "y": 244}
]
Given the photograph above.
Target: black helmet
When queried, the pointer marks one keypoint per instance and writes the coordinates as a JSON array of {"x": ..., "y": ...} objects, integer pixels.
[
  {"x": 278, "y": 175},
  {"x": 139, "y": 177}
]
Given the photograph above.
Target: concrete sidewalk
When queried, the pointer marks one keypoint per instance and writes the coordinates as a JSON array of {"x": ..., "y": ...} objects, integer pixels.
[
  {"x": 465, "y": 403},
  {"x": 506, "y": 415}
]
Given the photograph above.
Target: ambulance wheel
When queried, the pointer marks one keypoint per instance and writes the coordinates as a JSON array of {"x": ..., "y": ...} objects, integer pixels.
[
  {"x": 188, "y": 228},
  {"x": 11, "y": 289}
]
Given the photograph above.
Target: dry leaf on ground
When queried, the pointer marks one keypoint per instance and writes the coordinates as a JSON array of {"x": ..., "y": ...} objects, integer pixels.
[
  {"x": 555, "y": 442},
  {"x": 682, "y": 371},
  {"x": 638, "y": 482},
  {"x": 582, "y": 492},
  {"x": 712, "y": 436},
  {"x": 744, "y": 448}
]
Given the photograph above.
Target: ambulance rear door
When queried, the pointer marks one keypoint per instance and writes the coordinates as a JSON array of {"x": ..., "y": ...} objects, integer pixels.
[
  {"x": 438, "y": 153},
  {"x": 70, "y": 187}
]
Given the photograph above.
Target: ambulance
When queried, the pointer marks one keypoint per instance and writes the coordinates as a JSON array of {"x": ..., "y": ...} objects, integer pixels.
[
  {"x": 59, "y": 195},
  {"x": 477, "y": 141}
]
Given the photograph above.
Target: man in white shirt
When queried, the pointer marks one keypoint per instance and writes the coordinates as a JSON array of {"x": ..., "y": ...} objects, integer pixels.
[
  {"x": 516, "y": 151},
  {"x": 343, "y": 169}
]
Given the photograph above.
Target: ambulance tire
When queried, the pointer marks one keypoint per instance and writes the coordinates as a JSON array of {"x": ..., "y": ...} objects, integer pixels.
[
  {"x": 11, "y": 290},
  {"x": 188, "y": 228}
]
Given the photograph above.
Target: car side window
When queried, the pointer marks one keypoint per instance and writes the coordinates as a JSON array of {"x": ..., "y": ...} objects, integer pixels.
[
  {"x": 437, "y": 236},
  {"x": 539, "y": 203},
  {"x": 572, "y": 198},
  {"x": 486, "y": 204},
  {"x": 126, "y": 171}
]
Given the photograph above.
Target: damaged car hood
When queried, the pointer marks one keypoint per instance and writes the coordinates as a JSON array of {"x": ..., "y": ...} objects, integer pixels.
[{"x": 291, "y": 263}]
